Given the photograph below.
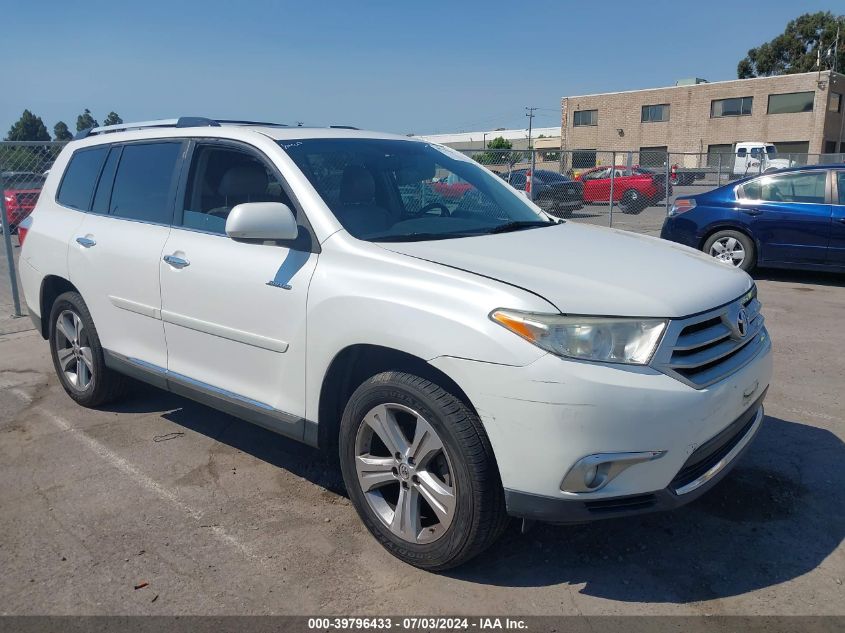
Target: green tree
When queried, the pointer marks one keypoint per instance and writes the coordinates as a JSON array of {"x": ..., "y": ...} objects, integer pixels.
[
  {"x": 28, "y": 128},
  {"x": 797, "y": 49},
  {"x": 61, "y": 132},
  {"x": 113, "y": 119},
  {"x": 498, "y": 153},
  {"x": 85, "y": 120}
]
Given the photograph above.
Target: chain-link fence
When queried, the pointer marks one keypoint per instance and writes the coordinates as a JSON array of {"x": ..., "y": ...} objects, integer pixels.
[
  {"x": 23, "y": 169},
  {"x": 632, "y": 190}
]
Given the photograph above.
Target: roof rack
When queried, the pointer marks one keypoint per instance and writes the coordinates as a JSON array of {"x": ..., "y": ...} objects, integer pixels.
[
  {"x": 344, "y": 127},
  {"x": 184, "y": 121}
]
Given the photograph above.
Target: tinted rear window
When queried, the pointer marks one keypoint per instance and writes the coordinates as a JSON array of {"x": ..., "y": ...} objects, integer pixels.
[
  {"x": 81, "y": 177},
  {"x": 143, "y": 186}
]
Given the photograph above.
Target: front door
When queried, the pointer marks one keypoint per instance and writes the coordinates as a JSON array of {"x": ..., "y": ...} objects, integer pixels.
[
  {"x": 789, "y": 215},
  {"x": 234, "y": 311}
]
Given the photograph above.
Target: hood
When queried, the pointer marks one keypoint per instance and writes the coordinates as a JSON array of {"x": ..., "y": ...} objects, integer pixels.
[{"x": 583, "y": 269}]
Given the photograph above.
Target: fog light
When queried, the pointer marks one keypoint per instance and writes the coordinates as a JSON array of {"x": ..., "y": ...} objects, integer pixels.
[{"x": 594, "y": 472}]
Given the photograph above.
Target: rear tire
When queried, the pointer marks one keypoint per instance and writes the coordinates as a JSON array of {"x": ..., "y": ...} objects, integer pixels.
[
  {"x": 732, "y": 248},
  {"x": 445, "y": 484},
  {"x": 632, "y": 202},
  {"x": 78, "y": 356}
]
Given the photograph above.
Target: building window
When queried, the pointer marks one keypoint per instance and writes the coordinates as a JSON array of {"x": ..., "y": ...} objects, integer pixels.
[
  {"x": 835, "y": 103},
  {"x": 585, "y": 117},
  {"x": 830, "y": 147},
  {"x": 583, "y": 158},
  {"x": 655, "y": 113},
  {"x": 738, "y": 106},
  {"x": 791, "y": 102},
  {"x": 653, "y": 156}
]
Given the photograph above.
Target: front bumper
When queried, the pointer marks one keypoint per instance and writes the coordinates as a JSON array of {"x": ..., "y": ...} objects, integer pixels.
[
  {"x": 706, "y": 467},
  {"x": 544, "y": 417}
]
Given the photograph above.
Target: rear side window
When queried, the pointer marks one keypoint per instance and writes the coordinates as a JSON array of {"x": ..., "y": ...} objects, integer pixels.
[
  {"x": 806, "y": 188},
  {"x": 80, "y": 178},
  {"x": 144, "y": 182}
]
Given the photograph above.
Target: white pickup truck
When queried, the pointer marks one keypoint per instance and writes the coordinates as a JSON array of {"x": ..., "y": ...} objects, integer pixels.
[{"x": 755, "y": 157}]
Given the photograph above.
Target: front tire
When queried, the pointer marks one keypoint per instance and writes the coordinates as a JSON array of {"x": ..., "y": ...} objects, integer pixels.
[
  {"x": 733, "y": 248},
  {"x": 632, "y": 202},
  {"x": 420, "y": 471},
  {"x": 78, "y": 356}
]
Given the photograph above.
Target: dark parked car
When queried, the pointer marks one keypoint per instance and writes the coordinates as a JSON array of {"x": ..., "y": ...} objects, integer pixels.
[
  {"x": 792, "y": 218},
  {"x": 553, "y": 192}
]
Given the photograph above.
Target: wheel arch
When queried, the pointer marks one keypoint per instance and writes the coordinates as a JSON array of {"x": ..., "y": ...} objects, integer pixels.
[
  {"x": 51, "y": 287},
  {"x": 356, "y": 363},
  {"x": 729, "y": 226}
]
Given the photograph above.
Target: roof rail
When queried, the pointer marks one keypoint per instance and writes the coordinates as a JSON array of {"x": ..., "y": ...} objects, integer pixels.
[
  {"x": 237, "y": 122},
  {"x": 344, "y": 127},
  {"x": 184, "y": 121}
]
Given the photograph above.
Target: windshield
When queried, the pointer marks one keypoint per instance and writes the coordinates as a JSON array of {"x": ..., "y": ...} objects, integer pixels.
[{"x": 394, "y": 190}]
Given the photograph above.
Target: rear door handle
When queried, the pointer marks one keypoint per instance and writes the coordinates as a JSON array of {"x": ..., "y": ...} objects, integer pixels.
[
  {"x": 87, "y": 242},
  {"x": 176, "y": 262}
]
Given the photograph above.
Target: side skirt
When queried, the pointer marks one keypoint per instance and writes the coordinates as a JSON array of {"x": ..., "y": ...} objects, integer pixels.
[{"x": 263, "y": 415}]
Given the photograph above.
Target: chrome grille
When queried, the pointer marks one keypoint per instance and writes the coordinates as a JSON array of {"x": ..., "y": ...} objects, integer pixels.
[{"x": 705, "y": 348}]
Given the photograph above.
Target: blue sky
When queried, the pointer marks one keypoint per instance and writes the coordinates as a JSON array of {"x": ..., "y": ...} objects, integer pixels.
[{"x": 397, "y": 66}]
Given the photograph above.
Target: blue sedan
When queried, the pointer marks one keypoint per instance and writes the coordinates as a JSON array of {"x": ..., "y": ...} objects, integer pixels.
[{"x": 792, "y": 218}]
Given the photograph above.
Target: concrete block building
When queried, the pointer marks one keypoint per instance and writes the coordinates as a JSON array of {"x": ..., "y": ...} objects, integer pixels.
[{"x": 801, "y": 114}]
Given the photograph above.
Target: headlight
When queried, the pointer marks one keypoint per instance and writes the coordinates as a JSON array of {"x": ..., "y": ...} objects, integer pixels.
[{"x": 603, "y": 339}]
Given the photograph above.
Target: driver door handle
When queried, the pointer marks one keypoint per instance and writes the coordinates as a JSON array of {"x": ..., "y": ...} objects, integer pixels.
[
  {"x": 751, "y": 211},
  {"x": 176, "y": 262}
]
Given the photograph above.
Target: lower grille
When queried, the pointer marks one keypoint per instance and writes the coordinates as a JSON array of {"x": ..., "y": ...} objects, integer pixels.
[
  {"x": 621, "y": 504},
  {"x": 711, "y": 452}
]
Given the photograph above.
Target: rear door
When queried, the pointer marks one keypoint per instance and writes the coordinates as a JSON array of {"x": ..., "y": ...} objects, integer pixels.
[
  {"x": 789, "y": 214},
  {"x": 114, "y": 258}
]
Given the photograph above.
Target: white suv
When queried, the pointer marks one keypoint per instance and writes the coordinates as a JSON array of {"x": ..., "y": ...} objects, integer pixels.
[{"x": 467, "y": 356}]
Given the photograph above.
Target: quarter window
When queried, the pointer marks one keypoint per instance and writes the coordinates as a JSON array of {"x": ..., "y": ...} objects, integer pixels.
[
  {"x": 143, "y": 185},
  {"x": 585, "y": 117},
  {"x": 791, "y": 102},
  {"x": 738, "y": 106},
  {"x": 81, "y": 177},
  {"x": 222, "y": 177},
  {"x": 655, "y": 113},
  {"x": 807, "y": 188}
]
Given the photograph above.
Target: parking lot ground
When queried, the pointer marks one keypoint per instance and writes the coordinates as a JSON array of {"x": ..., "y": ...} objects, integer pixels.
[{"x": 221, "y": 517}]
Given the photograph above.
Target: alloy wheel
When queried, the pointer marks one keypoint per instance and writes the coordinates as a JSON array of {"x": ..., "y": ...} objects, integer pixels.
[
  {"x": 73, "y": 350},
  {"x": 405, "y": 473},
  {"x": 728, "y": 250}
]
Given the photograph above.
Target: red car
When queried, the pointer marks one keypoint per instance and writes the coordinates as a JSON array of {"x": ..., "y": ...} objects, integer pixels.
[
  {"x": 634, "y": 188},
  {"x": 20, "y": 192},
  {"x": 451, "y": 187}
]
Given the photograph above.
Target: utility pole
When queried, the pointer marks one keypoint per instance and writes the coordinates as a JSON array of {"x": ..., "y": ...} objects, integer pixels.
[{"x": 530, "y": 115}]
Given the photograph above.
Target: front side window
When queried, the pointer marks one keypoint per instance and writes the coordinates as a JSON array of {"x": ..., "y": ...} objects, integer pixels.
[
  {"x": 392, "y": 190},
  {"x": 80, "y": 177},
  {"x": 791, "y": 102},
  {"x": 738, "y": 106},
  {"x": 806, "y": 188},
  {"x": 655, "y": 113},
  {"x": 219, "y": 179},
  {"x": 585, "y": 117},
  {"x": 143, "y": 184}
]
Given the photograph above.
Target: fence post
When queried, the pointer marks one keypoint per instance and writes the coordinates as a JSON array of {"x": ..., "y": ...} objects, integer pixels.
[
  {"x": 719, "y": 175},
  {"x": 668, "y": 170},
  {"x": 533, "y": 165},
  {"x": 10, "y": 258},
  {"x": 612, "y": 181}
]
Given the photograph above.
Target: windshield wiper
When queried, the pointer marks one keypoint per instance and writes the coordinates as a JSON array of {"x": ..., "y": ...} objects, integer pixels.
[
  {"x": 518, "y": 225},
  {"x": 419, "y": 237}
]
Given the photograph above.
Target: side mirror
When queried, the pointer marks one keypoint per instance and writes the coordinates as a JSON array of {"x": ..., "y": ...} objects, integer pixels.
[{"x": 261, "y": 221}]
